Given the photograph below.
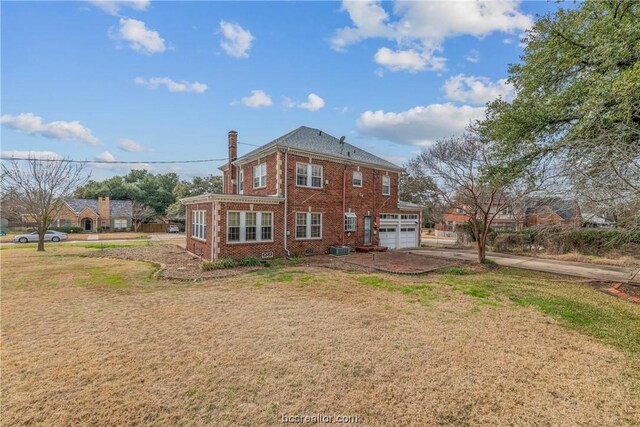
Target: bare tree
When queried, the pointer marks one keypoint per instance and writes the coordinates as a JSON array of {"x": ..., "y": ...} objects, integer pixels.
[
  {"x": 140, "y": 213},
  {"x": 38, "y": 187},
  {"x": 464, "y": 169}
]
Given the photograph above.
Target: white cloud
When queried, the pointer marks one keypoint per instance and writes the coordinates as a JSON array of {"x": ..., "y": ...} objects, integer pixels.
[
  {"x": 419, "y": 125},
  {"x": 314, "y": 103},
  {"x": 236, "y": 41},
  {"x": 477, "y": 90},
  {"x": 408, "y": 60},
  {"x": 419, "y": 29},
  {"x": 61, "y": 130},
  {"x": 131, "y": 146},
  {"x": 18, "y": 154},
  {"x": 257, "y": 99},
  {"x": 113, "y": 7},
  {"x": 507, "y": 40},
  {"x": 473, "y": 56},
  {"x": 171, "y": 85},
  {"x": 105, "y": 156},
  {"x": 139, "y": 37}
]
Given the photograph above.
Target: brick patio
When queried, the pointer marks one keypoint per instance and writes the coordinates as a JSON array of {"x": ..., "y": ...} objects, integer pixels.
[{"x": 396, "y": 262}]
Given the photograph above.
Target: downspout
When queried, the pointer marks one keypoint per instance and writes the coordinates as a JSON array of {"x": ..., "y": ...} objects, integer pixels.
[
  {"x": 286, "y": 200},
  {"x": 344, "y": 203},
  {"x": 213, "y": 231}
]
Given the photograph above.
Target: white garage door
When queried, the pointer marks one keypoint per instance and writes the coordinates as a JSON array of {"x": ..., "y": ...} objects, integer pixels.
[
  {"x": 388, "y": 237},
  {"x": 400, "y": 235}
]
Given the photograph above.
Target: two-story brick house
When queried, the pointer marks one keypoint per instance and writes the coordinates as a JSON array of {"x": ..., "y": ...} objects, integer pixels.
[{"x": 301, "y": 194}]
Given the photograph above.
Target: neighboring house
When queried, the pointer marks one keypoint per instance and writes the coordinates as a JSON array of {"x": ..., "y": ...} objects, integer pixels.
[
  {"x": 93, "y": 214},
  {"x": 301, "y": 194},
  {"x": 553, "y": 211},
  {"x": 456, "y": 218},
  {"x": 591, "y": 220}
]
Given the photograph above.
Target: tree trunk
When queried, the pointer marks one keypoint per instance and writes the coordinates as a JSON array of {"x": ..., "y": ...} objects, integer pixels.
[
  {"x": 41, "y": 231},
  {"x": 481, "y": 250}
]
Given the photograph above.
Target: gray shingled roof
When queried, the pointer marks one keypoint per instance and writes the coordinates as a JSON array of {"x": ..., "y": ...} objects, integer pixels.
[
  {"x": 317, "y": 141},
  {"x": 117, "y": 208}
]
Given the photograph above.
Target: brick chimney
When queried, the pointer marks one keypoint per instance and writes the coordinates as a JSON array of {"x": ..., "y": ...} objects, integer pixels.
[
  {"x": 232, "y": 186},
  {"x": 104, "y": 210}
]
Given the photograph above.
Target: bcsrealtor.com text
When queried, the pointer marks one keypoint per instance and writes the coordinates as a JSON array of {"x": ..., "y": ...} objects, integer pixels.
[{"x": 320, "y": 419}]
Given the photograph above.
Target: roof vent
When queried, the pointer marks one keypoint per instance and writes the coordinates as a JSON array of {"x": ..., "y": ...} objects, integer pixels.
[
  {"x": 319, "y": 133},
  {"x": 342, "y": 138}
]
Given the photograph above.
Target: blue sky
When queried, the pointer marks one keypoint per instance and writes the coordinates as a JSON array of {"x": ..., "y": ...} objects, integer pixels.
[{"x": 157, "y": 81}]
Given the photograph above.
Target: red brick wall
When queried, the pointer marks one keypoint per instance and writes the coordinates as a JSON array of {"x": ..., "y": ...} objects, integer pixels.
[
  {"x": 271, "y": 188},
  {"x": 197, "y": 246}
]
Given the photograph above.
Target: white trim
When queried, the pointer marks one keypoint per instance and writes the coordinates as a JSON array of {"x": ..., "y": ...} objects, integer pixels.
[
  {"x": 309, "y": 175},
  {"x": 307, "y": 225},
  {"x": 388, "y": 179},
  {"x": 353, "y": 178},
  {"x": 242, "y": 225},
  {"x": 199, "y": 222},
  {"x": 239, "y": 198}
]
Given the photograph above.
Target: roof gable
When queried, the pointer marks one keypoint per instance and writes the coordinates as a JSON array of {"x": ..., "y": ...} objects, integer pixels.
[{"x": 316, "y": 141}]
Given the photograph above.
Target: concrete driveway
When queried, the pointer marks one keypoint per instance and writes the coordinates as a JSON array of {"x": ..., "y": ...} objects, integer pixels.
[{"x": 579, "y": 269}]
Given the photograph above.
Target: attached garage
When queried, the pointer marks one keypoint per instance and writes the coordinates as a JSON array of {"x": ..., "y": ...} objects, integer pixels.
[{"x": 399, "y": 231}]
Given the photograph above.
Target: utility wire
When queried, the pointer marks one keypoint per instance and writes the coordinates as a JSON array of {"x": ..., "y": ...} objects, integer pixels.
[{"x": 116, "y": 161}]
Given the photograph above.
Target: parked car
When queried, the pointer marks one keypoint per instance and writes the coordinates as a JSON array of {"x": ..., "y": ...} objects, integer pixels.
[
  {"x": 173, "y": 229},
  {"x": 49, "y": 235}
]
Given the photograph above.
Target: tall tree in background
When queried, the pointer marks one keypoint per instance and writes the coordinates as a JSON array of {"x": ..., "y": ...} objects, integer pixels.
[
  {"x": 458, "y": 166},
  {"x": 207, "y": 185},
  {"x": 578, "y": 100},
  {"x": 39, "y": 186},
  {"x": 140, "y": 213},
  {"x": 416, "y": 187}
]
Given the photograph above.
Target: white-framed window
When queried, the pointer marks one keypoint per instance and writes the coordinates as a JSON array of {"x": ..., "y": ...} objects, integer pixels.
[
  {"x": 388, "y": 216},
  {"x": 249, "y": 226},
  {"x": 198, "y": 224},
  {"x": 308, "y": 225},
  {"x": 350, "y": 220},
  {"x": 260, "y": 175},
  {"x": 357, "y": 179},
  {"x": 308, "y": 175},
  {"x": 386, "y": 185},
  {"x": 241, "y": 181},
  {"x": 119, "y": 223}
]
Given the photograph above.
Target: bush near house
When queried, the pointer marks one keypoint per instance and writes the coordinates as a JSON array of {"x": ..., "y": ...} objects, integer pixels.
[{"x": 217, "y": 265}]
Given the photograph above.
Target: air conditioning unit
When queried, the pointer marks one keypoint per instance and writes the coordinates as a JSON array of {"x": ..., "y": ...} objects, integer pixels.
[{"x": 339, "y": 250}]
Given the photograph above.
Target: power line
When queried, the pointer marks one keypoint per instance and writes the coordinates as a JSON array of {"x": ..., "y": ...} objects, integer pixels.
[{"x": 116, "y": 161}]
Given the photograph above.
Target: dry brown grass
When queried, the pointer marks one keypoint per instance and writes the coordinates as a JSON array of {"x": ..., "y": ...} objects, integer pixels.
[
  {"x": 96, "y": 342},
  {"x": 83, "y": 236},
  {"x": 620, "y": 260}
]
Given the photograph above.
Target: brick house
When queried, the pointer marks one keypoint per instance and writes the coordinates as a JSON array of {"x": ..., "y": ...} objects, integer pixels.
[
  {"x": 92, "y": 214},
  {"x": 553, "y": 211},
  {"x": 301, "y": 194}
]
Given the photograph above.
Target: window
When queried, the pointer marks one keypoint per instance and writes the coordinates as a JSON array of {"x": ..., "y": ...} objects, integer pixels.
[
  {"x": 267, "y": 226},
  {"x": 409, "y": 216},
  {"x": 386, "y": 185},
  {"x": 357, "y": 179},
  {"x": 260, "y": 175},
  {"x": 246, "y": 226},
  {"x": 119, "y": 223},
  {"x": 241, "y": 181},
  {"x": 350, "y": 221},
  {"x": 250, "y": 226},
  {"x": 308, "y": 225},
  {"x": 388, "y": 216},
  {"x": 308, "y": 175},
  {"x": 198, "y": 224}
]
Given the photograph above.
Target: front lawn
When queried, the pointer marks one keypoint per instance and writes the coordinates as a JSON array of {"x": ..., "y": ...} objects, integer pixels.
[{"x": 96, "y": 341}]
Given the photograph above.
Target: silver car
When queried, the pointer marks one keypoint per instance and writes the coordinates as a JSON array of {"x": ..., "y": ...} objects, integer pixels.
[{"x": 49, "y": 235}]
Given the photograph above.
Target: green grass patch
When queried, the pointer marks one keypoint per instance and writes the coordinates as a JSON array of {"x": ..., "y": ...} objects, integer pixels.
[
  {"x": 423, "y": 293},
  {"x": 460, "y": 271},
  {"x": 575, "y": 305},
  {"x": 103, "y": 276}
]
